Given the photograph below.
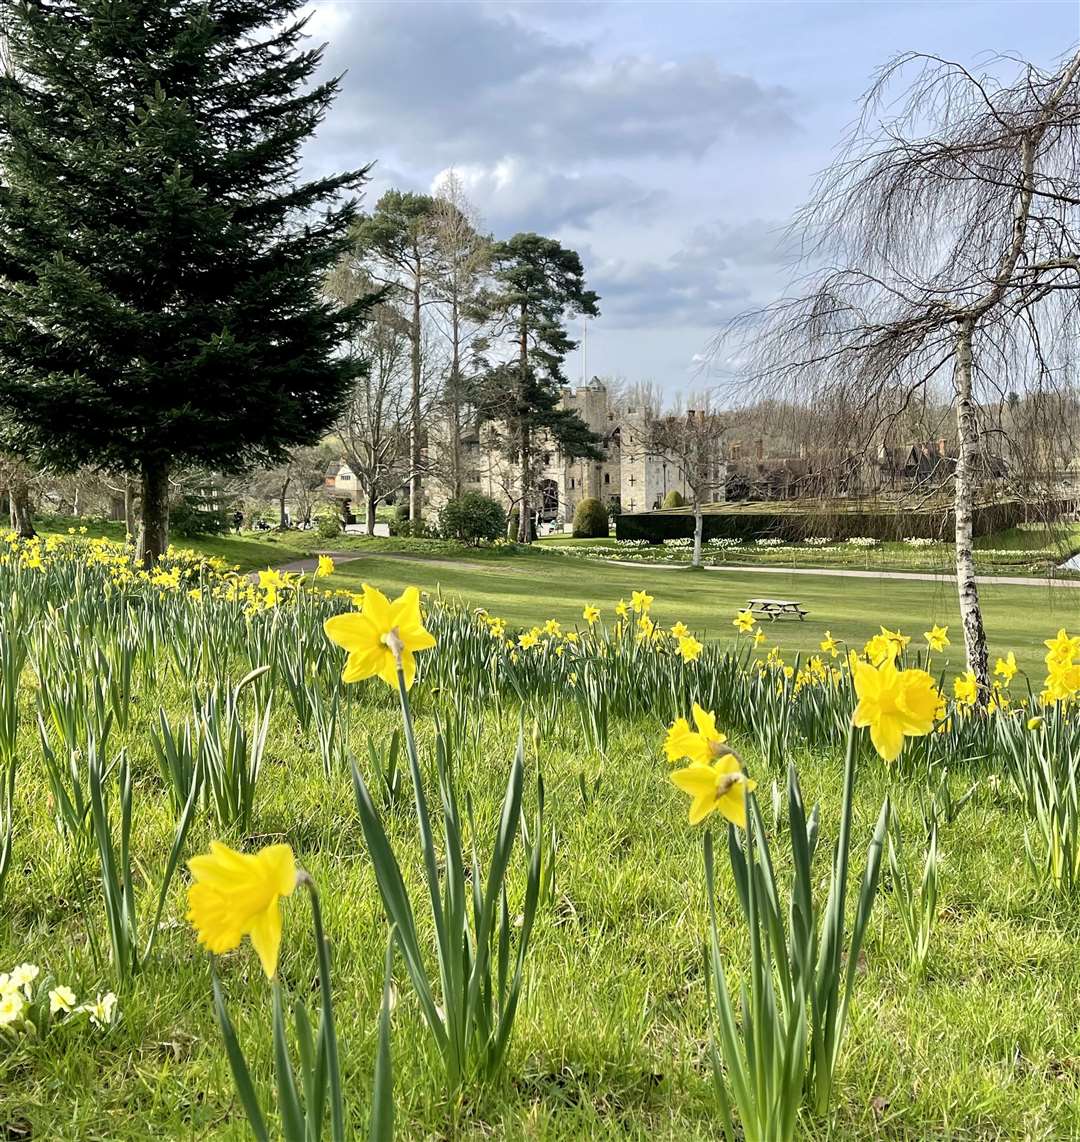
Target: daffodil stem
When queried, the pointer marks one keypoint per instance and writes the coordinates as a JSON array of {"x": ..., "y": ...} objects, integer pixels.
[{"x": 326, "y": 1026}]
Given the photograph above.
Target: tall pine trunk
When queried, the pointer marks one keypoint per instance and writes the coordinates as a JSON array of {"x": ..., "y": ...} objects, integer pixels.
[
  {"x": 416, "y": 489},
  {"x": 21, "y": 521},
  {"x": 283, "y": 515},
  {"x": 525, "y": 528},
  {"x": 154, "y": 521},
  {"x": 964, "y": 505}
]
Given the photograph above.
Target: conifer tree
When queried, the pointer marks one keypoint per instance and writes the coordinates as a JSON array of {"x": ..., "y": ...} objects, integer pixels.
[
  {"x": 537, "y": 284},
  {"x": 161, "y": 259}
]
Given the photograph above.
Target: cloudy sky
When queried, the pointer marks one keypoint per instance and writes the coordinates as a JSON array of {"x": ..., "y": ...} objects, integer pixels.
[{"x": 669, "y": 143}]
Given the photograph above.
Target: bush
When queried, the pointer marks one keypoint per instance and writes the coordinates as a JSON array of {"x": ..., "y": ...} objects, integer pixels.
[
  {"x": 674, "y": 499},
  {"x": 590, "y": 520},
  {"x": 328, "y": 527},
  {"x": 193, "y": 516},
  {"x": 614, "y": 510},
  {"x": 472, "y": 518}
]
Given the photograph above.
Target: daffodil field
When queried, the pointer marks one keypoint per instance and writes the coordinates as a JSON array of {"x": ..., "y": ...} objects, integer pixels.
[{"x": 283, "y": 861}]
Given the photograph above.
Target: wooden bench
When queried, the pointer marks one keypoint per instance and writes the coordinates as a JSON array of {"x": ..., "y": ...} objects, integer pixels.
[{"x": 776, "y": 608}]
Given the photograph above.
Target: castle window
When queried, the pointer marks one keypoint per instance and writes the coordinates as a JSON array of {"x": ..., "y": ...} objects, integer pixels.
[
  {"x": 631, "y": 479},
  {"x": 573, "y": 483},
  {"x": 607, "y": 477}
]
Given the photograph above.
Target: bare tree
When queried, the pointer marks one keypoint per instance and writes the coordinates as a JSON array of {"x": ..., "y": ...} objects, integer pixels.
[
  {"x": 949, "y": 233},
  {"x": 692, "y": 439},
  {"x": 375, "y": 426},
  {"x": 298, "y": 479},
  {"x": 464, "y": 254}
]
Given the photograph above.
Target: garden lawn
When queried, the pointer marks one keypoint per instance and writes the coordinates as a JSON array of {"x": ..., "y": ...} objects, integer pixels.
[{"x": 530, "y": 588}]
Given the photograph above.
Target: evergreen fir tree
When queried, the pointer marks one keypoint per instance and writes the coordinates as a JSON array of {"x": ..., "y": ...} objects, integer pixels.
[
  {"x": 537, "y": 284},
  {"x": 161, "y": 260}
]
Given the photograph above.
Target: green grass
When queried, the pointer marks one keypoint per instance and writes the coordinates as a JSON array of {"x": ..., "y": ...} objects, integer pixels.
[
  {"x": 530, "y": 588},
  {"x": 610, "y": 1040}
]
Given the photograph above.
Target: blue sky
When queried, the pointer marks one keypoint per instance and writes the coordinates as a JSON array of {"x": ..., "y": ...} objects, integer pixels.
[{"x": 669, "y": 143}]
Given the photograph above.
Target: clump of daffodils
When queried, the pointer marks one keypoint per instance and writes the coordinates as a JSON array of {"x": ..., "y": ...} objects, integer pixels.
[
  {"x": 32, "y": 1002},
  {"x": 714, "y": 778}
]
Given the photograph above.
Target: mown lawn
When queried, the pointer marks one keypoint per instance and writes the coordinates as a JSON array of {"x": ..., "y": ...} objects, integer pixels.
[{"x": 528, "y": 589}]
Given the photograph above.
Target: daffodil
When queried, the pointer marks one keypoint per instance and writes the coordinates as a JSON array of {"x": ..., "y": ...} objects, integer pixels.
[
  {"x": 1005, "y": 668},
  {"x": 679, "y": 630},
  {"x": 325, "y": 567},
  {"x": 703, "y": 744},
  {"x": 690, "y": 648},
  {"x": 1035, "y": 723},
  {"x": 743, "y": 622},
  {"x": 237, "y": 894},
  {"x": 591, "y": 614},
  {"x": 528, "y": 639},
  {"x": 759, "y": 637},
  {"x": 894, "y": 703},
  {"x": 966, "y": 689},
  {"x": 641, "y": 602},
  {"x": 553, "y": 627},
  {"x": 622, "y": 609},
  {"x": 937, "y": 638},
  {"x": 829, "y": 644},
  {"x": 382, "y": 637},
  {"x": 720, "y": 787}
]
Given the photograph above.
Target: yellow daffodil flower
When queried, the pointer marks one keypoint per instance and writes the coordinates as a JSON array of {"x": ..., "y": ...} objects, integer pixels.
[
  {"x": 325, "y": 567},
  {"x": 966, "y": 689},
  {"x": 829, "y": 644},
  {"x": 591, "y": 614},
  {"x": 937, "y": 638},
  {"x": 720, "y": 787},
  {"x": 680, "y": 630},
  {"x": 689, "y": 648},
  {"x": 622, "y": 609},
  {"x": 743, "y": 622},
  {"x": 237, "y": 894},
  {"x": 381, "y": 636},
  {"x": 553, "y": 628},
  {"x": 1006, "y": 668},
  {"x": 894, "y": 703},
  {"x": 1034, "y": 723},
  {"x": 641, "y": 602},
  {"x": 703, "y": 745}
]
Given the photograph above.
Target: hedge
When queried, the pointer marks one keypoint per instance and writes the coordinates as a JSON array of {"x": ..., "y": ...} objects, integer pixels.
[{"x": 791, "y": 526}]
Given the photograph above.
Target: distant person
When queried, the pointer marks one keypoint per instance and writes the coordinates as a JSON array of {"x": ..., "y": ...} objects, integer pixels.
[{"x": 237, "y": 521}]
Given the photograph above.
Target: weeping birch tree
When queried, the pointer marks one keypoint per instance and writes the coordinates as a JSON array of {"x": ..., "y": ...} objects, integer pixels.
[{"x": 941, "y": 254}]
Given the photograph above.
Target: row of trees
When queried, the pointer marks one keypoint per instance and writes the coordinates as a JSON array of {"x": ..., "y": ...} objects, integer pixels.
[
  {"x": 174, "y": 295},
  {"x": 465, "y": 330}
]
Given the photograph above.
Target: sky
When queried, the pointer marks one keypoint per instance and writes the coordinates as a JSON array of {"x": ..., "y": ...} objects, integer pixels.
[{"x": 668, "y": 143}]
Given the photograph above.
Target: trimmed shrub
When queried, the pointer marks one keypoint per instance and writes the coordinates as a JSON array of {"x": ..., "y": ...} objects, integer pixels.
[
  {"x": 591, "y": 520},
  {"x": 674, "y": 499},
  {"x": 472, "y": 518}
]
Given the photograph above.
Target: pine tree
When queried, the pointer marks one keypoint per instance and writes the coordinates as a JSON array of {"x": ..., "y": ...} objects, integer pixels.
[
  {"x": 537, "y": 284},
  {"x": 161, "y": 260}
]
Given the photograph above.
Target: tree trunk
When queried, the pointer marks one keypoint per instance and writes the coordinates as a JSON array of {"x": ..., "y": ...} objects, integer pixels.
[
  {"x": 20, "y": 509},
  {"x": 699, "y": 523},
  {"x": 525, "y": 534},
  {"x": 129, "y": 508},
  {"x": 456, "y": 461},
  {"x": 154, "y": 523},
  {"x": 416, "y": 489},
  {"x": 283, "y": 516},
  {"x": 966, "y": 466},
  {"x": 76, "y": 506},
  {"x": 369, "y": 512}
]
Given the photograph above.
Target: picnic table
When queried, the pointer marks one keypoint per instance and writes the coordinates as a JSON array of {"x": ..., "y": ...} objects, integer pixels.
[{"x": 776, "y": 608}]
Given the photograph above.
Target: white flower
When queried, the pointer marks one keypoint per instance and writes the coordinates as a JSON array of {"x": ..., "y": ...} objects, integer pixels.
[
  {"x": 11, "y": 1006},
  {"x": 101, "y": 1011},
  {"x": 61, "y": 1000},
  {"x": 23, "y": 975}
]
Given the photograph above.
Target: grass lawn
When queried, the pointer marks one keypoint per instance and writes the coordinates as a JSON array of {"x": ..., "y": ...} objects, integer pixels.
[{"x": 527, "y": 589}]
